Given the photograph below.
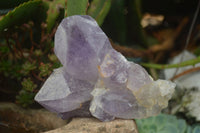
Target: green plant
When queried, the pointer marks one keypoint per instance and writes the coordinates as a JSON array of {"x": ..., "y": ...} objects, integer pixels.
[
  {"x": 49, "y": 11},
  {"x": 167, "y": 66},
  {"x": 26, "y": 39},
  {"x": 26, "y": 94},
  {"x": 26, "y": 60},
  {"x": 99, "y": 9},
  {"x": 21, "y": 14},
  {"x": 194, "y": 129},
  {"x": 164, "y": 123}
]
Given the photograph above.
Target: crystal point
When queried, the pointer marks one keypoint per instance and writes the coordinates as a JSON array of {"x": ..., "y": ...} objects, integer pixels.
[
  {"x": 97, "y": 80},
  {"x": 74, "y": 46}
]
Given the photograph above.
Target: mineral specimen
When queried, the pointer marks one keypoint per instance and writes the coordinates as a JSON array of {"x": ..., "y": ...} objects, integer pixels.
[
  {"x": 187, "y": 97},
  {"x": 97, "y": 80}
]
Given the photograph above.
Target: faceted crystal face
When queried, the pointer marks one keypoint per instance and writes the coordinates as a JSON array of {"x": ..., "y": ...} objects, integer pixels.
[
  {"x": 97, "y": 80},
  {"x": 74, "y": 46},
  {"x": 56, "y": 94},
  {"x": 113, "y": 69},
  {"x": 138, "y": 77}
]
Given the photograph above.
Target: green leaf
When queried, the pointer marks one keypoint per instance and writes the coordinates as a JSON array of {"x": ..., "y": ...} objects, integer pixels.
[
  {"x": 182, "y": 125},
  {"x": 27, "y": 67},
  {"x": 99, "y": 9},
  {"x": 25, "y": 98},
  {"x": 45, "y": 69},
  {"x": 162, "y": 123},
  {"x": 21, "y": 14},
  {"x": 135, "y": 28},
  {"x": 54, "y": 11},
  {"x": 4, "y": 4},
  {"x": 196, "y": 129},
  {"x": 4, "y": 50},
  {"x": 28, "y": 85},
  {"x": 76, "y": 7},
  {"x": 117, "y": 30},
  {"x": 189, "y": 129},
  {"x": 170, "y": 128}
]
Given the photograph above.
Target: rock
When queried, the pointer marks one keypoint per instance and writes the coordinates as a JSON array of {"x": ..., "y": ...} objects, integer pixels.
[
  {"x": 189, "y": 80},
  {"x": 186, "y": 98},
  {"x": 96, "y": 79},
  {"x": 186, "y": 101},
  {"x": 16, "y": 119},
  {"x": 193, "y": 104},
  {"x": 92, "y": 125}
]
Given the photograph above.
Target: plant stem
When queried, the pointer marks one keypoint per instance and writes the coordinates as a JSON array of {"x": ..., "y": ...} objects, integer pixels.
[
  {"x": 167, "y": 66},
  {"x": 185, "y": 72},
  {"x": 190, "y": 33}
]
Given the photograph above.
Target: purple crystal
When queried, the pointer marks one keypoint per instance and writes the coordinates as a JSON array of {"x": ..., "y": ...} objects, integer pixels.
[
  {"x": 80, "y": 46},
  {"x": 97, "y": 80},
  {"x": 138, "y": 77},
  {"x": 56, "y": 95},
  {"x": 113, "y": 69}
]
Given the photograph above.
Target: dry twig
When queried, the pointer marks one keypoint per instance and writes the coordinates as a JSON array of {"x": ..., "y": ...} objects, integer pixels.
[{"x": 129, "y": 52}]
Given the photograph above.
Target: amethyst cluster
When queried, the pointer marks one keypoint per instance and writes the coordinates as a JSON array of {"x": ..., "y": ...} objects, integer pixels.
[{"x": 96, "y": 79}]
